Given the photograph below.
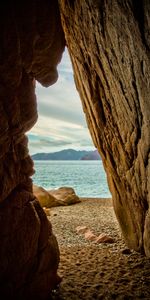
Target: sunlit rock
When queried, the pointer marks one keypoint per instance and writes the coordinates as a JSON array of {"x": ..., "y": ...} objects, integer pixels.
[
  {"x": 46, "y": 200},
  {"x": 65, "y": 195}
]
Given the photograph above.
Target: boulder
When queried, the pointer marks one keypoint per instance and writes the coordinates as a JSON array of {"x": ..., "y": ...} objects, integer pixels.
[
  {"x": 66, "y": 195},
  {"x": 46, "y": 200},
  {"x": 62, "y": 196}
]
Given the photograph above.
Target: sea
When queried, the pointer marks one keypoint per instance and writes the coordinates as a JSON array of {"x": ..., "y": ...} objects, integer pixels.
[{"x": 88, "y": 178}]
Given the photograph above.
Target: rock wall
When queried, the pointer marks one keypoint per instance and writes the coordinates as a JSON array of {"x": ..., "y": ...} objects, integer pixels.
[
  {"x": 109, "y": 43},
  {"x": 29, "y": 50}
]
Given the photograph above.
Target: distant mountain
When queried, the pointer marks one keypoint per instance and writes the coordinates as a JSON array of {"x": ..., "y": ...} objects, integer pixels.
[
  {"x": 68, "y": 154},
  {"x": 94, "y": 155}
]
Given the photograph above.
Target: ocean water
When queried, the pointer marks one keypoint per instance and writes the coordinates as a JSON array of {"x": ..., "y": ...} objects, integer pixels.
[{"x": 88, "y": 178}]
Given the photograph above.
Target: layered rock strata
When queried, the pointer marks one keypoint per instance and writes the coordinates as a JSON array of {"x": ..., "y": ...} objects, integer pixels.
[
  {"x": 29, "y": 50},
  {"x": 109, "y": 43}
]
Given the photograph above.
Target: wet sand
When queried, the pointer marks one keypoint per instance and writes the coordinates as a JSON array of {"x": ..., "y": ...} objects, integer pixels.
[{"x": 96, "y": 271}]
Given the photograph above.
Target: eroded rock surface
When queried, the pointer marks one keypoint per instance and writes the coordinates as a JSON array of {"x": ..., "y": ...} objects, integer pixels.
[
  {"x": 109, "y": 43},
  {"x": 29, "y": 50}
]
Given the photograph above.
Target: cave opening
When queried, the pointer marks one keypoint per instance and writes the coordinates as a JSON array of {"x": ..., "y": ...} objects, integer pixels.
[
  {"x": 60, "y": 143},
  {"x": 90, "y": 223},
  {"x": 87, "y": 227},
  {"x": 107, "y": 60}
]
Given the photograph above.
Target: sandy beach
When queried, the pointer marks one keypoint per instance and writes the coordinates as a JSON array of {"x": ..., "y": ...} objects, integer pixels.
[{"x": 92, "y": 270}]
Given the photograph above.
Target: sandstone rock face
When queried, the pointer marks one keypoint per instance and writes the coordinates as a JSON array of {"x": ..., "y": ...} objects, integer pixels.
[
  {"x": 109, "y": 45},
  {"x": 29, "y": 254}
]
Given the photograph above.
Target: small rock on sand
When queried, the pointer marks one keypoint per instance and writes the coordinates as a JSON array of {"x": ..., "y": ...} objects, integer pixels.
[
  {"x": 90, "y": 236},
  {"x": 104, "y": 238},
  {"x": 81, "y": 229}
]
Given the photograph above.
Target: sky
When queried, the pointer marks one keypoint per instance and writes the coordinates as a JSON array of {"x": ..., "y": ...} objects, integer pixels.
[{"x": 61, "y": 122}]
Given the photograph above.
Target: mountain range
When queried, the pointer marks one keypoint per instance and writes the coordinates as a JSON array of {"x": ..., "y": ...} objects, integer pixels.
[{"x": 68, "y": 154}]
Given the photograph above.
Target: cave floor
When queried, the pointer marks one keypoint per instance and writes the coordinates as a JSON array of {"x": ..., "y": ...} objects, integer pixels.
[{"x": 96, "y": 271}]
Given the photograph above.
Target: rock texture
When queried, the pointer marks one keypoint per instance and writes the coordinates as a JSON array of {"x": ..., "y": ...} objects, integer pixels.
[
  {"x": 109, "y": 45},
  {"x": 65, "y": 196},
  {"x": 46, "y": 199},
  {"x": 52, "y": 198},
  {"x": 29, "y": 50}
]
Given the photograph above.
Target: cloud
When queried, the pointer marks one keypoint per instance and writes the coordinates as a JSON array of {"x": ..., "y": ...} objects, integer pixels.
[
  {"x": 40, "y": 142},
  {"x": 63, "y": 112},
  {"x": 61, "y": 121}
]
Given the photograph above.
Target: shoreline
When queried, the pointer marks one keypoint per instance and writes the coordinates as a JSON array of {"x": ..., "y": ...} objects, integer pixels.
[{"x": 96, "y": 271}]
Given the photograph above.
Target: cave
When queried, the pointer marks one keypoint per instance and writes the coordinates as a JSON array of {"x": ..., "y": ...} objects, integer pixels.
[{"x": 111, "y": 63}]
